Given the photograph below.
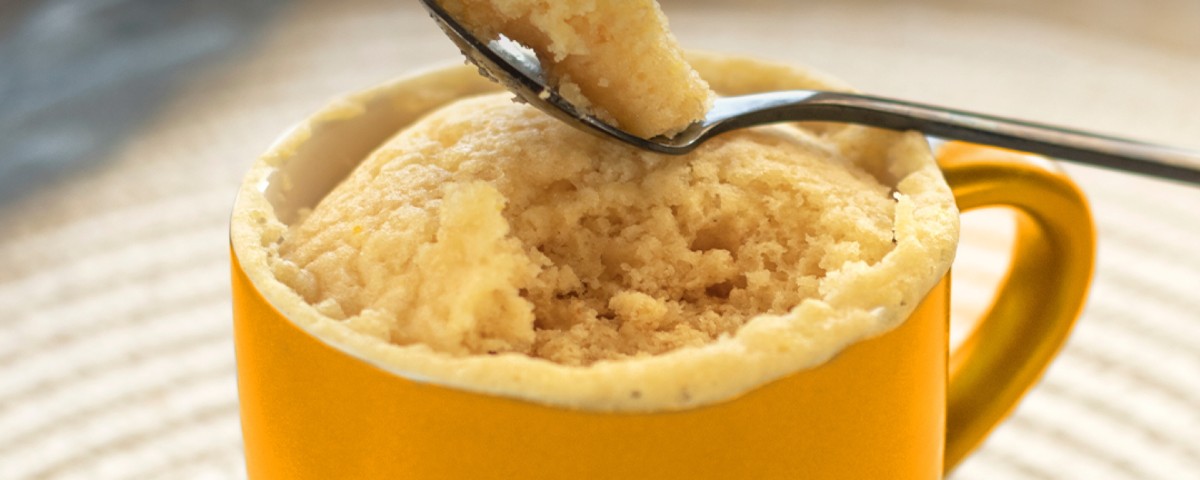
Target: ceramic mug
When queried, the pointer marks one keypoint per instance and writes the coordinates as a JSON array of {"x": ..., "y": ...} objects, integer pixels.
[{"x": 899, "y": 405}]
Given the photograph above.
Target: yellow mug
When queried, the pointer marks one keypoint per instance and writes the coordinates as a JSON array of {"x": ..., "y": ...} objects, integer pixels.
[{"x": 899, "y": 405}]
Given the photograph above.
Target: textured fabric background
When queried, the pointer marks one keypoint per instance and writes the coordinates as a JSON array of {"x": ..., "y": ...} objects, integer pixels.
[{"x": 116, "y": 359}]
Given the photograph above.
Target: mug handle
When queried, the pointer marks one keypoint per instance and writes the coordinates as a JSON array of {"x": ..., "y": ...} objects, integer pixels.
[{"x": 1038, "y": 300}]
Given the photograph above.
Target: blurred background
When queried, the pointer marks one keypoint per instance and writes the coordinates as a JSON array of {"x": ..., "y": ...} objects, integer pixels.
[{"x": 125, "y": 126}]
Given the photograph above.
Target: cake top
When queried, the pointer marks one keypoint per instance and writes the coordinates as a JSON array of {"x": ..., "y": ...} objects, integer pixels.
[{"x": 489, "y": 227}]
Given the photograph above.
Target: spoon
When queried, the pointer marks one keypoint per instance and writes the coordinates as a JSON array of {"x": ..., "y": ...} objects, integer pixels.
[{"x": 519, "y": 70}]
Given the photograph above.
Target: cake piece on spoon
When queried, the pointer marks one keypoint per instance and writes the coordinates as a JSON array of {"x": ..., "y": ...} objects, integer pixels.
[{"x": 614, "y": 58}]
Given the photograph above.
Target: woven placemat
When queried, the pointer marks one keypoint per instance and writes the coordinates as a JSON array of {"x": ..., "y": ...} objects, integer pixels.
[{"x": 117, "y": 359}]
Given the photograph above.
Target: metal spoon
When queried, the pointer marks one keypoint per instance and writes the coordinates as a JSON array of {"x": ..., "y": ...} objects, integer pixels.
[{"x": 519, "y": 70}]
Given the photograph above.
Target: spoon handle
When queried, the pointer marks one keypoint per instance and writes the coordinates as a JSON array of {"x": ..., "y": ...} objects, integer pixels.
[{"x": 1083, "y": 147}]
